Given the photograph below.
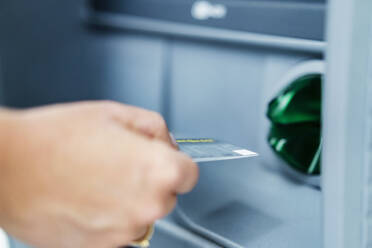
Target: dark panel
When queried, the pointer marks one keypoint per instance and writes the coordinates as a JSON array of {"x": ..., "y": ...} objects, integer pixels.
[
  {"x": 48, "y": 55},
  {"x": 296, "y": 19}
]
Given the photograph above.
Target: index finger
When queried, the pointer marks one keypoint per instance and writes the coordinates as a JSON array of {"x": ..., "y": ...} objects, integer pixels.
[{"x": 145, "y": 122}]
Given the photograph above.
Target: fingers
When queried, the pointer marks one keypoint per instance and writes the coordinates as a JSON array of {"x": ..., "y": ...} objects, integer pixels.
[
  {"x": 139, "y": 233},
  {"x": 158, "y": 207},
  {"x": 145, "y": 122},
  {"x": 168, "y": 174},
  {"x": 173, "y": 141},
  {"x": 186, "y": 175},
  {"x": 142, "y": 121},
  {"x": 178, "y": 173}
]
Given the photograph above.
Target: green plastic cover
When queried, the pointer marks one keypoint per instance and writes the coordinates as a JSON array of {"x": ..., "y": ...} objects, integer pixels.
[{"x": 295, "y": 116}]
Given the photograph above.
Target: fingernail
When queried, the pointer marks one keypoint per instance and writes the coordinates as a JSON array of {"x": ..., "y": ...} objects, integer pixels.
[{"x": 173, "y": 140}]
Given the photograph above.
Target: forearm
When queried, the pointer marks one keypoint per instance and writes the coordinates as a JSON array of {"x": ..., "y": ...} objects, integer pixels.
[{"x": 65, "y": 164}]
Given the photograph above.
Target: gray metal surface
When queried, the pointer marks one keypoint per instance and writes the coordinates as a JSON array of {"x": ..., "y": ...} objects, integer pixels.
[
  {"x": 347, "y": 126},
  {"x": 223, "y": 92},
  {"x": 134, "y": 23},
  {"x": 253, "y": 205}
]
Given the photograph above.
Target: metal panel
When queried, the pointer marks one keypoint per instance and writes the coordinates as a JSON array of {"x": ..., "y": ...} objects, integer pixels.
[
  {"x": 213, "y": 91},
  {"x": 179, "y": 30},
  {"x": 223, "y": 91},
  {"x": 135, "y": 71},
  {"x": 346, "y": 114}
]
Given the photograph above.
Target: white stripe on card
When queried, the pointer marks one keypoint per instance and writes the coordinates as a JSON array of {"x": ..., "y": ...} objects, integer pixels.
[{"x": 245, "y": 152}]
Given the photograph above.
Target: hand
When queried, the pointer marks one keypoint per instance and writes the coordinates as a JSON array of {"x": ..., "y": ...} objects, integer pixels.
[{"x": 93, "y": 174}]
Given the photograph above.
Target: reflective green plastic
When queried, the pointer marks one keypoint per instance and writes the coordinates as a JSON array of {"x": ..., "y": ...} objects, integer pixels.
[{"x": 295, "y": 115}]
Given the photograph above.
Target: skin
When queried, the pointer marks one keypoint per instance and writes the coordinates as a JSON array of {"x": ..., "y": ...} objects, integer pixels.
[{"x": 90, "y": 174}]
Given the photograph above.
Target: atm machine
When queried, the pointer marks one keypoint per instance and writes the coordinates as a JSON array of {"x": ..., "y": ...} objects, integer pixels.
[{"x": 211, "y": 67}]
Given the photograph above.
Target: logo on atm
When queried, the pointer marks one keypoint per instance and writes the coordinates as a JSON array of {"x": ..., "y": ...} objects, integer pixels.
[{"x": 203, "y": 10}]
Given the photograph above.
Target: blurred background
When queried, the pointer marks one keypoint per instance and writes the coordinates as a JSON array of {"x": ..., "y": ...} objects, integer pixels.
[{"x": 210, "y": 68}]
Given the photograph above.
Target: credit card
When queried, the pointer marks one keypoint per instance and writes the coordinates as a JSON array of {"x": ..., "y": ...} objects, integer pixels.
[{"x": 207, "y": 149}]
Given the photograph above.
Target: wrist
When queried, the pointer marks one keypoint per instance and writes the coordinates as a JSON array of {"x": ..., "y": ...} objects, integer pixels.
[{"x": 7, "y": 136}]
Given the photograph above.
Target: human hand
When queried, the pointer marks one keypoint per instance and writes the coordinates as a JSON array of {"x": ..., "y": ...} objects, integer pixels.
[{"x": 92, "y": 174}]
